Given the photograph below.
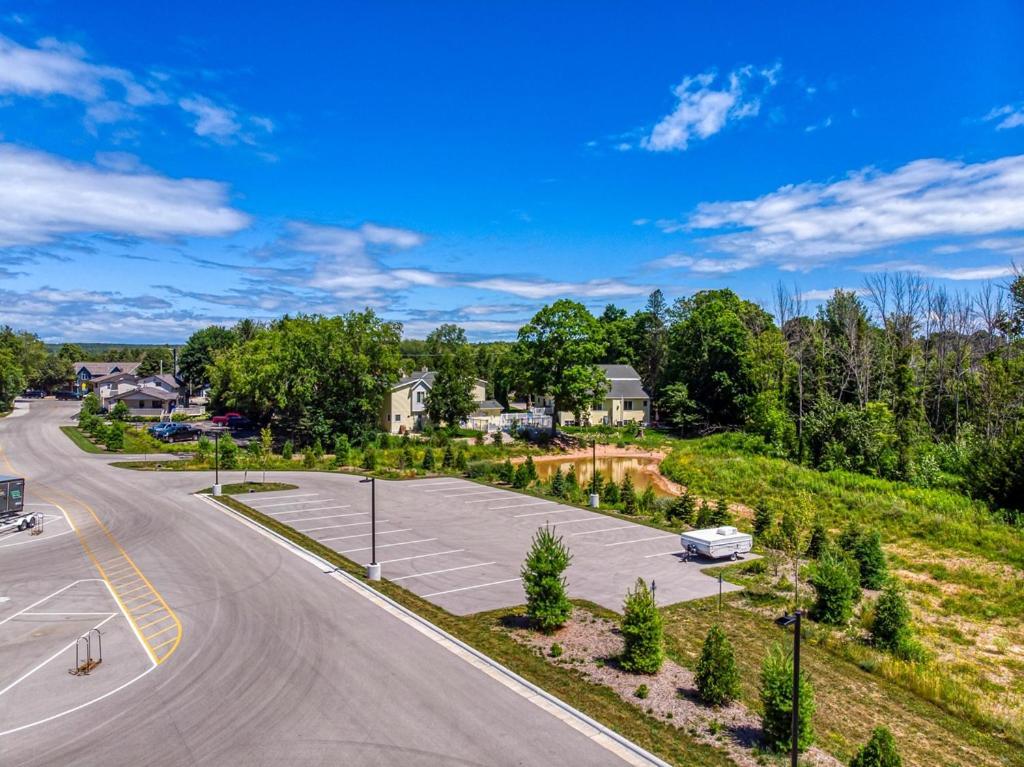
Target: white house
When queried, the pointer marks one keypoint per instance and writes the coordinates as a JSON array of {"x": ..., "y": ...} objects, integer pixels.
[
  {"x": 405, "y": 409},
  {"x": 625, "y": 402}
]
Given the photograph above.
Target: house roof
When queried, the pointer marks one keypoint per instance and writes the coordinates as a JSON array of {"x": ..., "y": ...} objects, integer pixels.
[
  {"x": 427, "y": 377},
  {"x": 625, "y": 382},
  {"x": 167, "y": 379},
  {"x": 99, "y": 369},
  {"x": 148, "y": 393},
  {"x": 114, "y": 377},
  {"x": 489, "y": 404}
]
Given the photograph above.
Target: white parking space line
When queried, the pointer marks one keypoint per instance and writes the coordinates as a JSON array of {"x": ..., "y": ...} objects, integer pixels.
[
  {"x": 283, "y": 500},
  {"x": 438, "y": 572},
  {"x": 384, "y": 546},
  {"x": 421, "y": 556},
  {"x": 519, "y": 505},
  {"x": 487, "y": 500},
  {"x": 40, "y": 601},
  {"x": 594, "y": 518},
  {"x": 332, "y": 527},
  {"x": 602, "y": 530},
  {"x": 326, "y": 516},
  {"x": 640, "y": 540},
  {"x": 468, "y": 588},
  {"x": 542, "y": 513},
  {"x": 306, "y": 511},
  {"x": 435, "y": 487},
  {"x": 478, "y": 492},
  {"x": 87, "y": 614},
  {"x": 663, "y": 554},
  {"x": 363, "y": 535}
]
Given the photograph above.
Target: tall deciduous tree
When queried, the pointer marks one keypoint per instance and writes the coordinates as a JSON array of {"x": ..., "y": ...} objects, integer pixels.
[
  {"x": 558, "y": 350},
  {"x": 450, "y": 398},
  {"x": 199, "y": 352}
]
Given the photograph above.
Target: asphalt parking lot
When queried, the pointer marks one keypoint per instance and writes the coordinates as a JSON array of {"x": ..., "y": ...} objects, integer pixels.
[{"x": 461, "y": 544}]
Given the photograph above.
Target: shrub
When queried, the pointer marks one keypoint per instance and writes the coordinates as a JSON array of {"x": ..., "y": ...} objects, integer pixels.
[
  {"x": 317, "y": 450},
  {"x": 370, "y": 458},
  {"x": 115, "y": 437},
  {"x": 869, "y": 555},
  {"x": 890, "y": 628},
  {"x": 645, "y": 503},
  {"x": 480, "y": 469},
  {"x": 406, "y": 458},
  {"x": 543, "y": 575},
  {"x": 461, "y": 460},
  {"x": 521, "y": 477},
  {"x": 837, "y": 585},
  {"x": 720, "y": 515},
  {"x": 716, "y": 675},
  {"x": 204, "y": 448},
  {"x": 86, "y": 422},
  {"x": 558, "y": 483},
  {"x": 506, "y": 472},
  {"x": 879, "y": 751},
  {"x": 556, "y": 650},
  {"x": 308, "y": 458},
  {"x": 498, "y": 438},
  {"x": 642, "y": 692},
  {"x": 91, "y": 404},
  {"x": 342, "y": 450},
  {"x": 777, "y": 702},
  {"x": 228, "y": 452},
  {"x": 610, "y": 494},
  {"x": 763, "y": 518},
  {"x": 683, "y": 509},
  {"x": 287, "y": 450},
  {"x": 531, "y": 468},
  {"x": 705, "y": 515},
  {"x": 120, "y": 411},
  {"x": 819, "y": 542},
  {"x": 571, "y": 485},
  {"x": 642, "y": 631},
  {"x": 429, "y": 459},
  {"x": 448, "y": 459},
  {"x": 628, "y": 496}
]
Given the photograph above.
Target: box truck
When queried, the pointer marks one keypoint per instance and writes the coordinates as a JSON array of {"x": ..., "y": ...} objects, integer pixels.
[{"x": 12, "y": 504}]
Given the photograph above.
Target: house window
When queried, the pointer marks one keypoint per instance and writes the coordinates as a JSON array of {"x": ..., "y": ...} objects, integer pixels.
[
  {"x": 398, "y": 416},
  {"x": 419, "y": 398},
  {"x": 627, "y": 404}
]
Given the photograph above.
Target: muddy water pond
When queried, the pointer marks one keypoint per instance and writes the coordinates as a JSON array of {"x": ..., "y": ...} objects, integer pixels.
[{"x": 643, "y": 471}]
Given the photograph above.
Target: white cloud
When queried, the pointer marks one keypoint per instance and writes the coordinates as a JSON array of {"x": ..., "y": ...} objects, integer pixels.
[
  {"x": 1009, "y": 116},
  {"x": 960, "y": 273},
  {"x": 702, "y": 110},
  {"x": 803, "y": 225},
  {"x": 544, "y": 289},
  {"x": 701, "y": 265},
  {"x": 43, "y": 197},
  {"x": 826, "y": 123},
  {"x": 212, "y": 120}
]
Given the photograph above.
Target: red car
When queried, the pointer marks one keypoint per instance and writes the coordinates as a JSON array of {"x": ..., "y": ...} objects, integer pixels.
[{"x": 222, "y": 420}]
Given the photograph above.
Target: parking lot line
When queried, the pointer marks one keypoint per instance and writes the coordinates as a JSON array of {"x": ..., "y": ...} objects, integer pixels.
[
  {"x": 161, "y": 631},
  {"x": 41, "y": 613},
  {"x": 153, "y": 623},
  {"x": 663, "y": 554},
  {"x": 287, "y": 498},
  {"x": 475, "y": 492},
  {"x": 541, "y": 513},
  {"x": 332, "y": 527},
  {"x": 602, "y": 530},
  {"x": 519, "y": 505},
  {"x": 326, "y": 516},
  {"x": 468, "y": 588},
  {"x": 421, "y": 556},
  {"x": 594, "y": 518},
  {"x": 438, "y": 572},
  {"x": 438, "y": 485},
  {"x": 363, "y": 535},
  {"x": 641, "y": 540},
  {"x": 306, "y": 511},
  {"x": 383, "y": 546},
  {"x": 486, "y": 500}
]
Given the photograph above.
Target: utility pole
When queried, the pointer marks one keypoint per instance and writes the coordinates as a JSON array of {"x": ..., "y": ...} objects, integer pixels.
[{"x": 372, "y": 569}]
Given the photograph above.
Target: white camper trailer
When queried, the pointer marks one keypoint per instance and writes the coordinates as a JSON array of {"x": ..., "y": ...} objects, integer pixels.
[{"x": 716, "y": 542}]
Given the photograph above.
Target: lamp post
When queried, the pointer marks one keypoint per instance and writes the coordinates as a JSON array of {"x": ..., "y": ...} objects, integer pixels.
[
  {"x": 794, "y": 621},
  {"x": 372, "y": 569},
  {"x": 216, "y": 463},
  {"x": 595, "y": 493}
]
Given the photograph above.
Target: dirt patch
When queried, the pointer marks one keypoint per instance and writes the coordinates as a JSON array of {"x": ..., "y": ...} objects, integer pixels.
[{"x": 591, "y": 644}]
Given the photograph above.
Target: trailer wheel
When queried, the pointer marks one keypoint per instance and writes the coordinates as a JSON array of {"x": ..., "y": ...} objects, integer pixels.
[
  {"x": 735, "y": 556},
  {"x": 22, "y": 525}
]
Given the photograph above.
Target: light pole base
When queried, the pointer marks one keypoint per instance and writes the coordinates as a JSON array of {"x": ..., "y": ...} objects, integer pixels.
[
  {"x": 216, "y": 490},
  {"x": 373, "y": 572},
  {"x": 595, "y": 500}
]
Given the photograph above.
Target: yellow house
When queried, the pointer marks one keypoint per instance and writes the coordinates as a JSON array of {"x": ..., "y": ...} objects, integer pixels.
[
  {"x": 405, "y": 409},
  {"x": 625, "y": 402}
]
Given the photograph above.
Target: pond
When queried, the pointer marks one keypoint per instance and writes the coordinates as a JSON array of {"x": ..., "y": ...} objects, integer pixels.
[{"x": 643, "y": 471}]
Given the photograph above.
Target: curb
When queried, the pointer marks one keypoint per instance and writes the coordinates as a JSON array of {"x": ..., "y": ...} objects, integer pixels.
[{"x": 572, "y": 716}]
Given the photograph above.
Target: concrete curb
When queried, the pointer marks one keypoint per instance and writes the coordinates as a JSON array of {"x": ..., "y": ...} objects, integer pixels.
[{"x": 611, "y": 740}]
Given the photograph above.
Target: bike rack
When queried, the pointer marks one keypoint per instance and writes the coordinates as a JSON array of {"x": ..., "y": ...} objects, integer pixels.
[
  {"x": 83, "y": 669},
  {"x": 38, "y": 520}
]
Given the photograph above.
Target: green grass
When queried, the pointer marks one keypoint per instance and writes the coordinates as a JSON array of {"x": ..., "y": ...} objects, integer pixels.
[
  {"x": 244, "y": 488},
  {"x": 83, "y": 442},
  {"x": 485, "y": 632}
]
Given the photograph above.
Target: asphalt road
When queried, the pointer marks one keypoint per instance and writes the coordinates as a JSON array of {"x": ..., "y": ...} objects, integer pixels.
[{"x": 255, "y": 657}]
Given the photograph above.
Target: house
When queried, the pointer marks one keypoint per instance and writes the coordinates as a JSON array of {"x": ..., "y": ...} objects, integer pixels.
[
  {"x": 147, "y": 400},
  {"x": 405, "y": 409},
  {"x": 625, "y": 402},
  {"x": 109, "y": 388},
  {"x": 88, "y": 371}
]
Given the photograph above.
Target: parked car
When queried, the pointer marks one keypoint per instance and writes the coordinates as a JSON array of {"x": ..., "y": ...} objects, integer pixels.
[
  {"x": 33, "y": 394},
  {"x": 157, "y": 429},
  {"x": 66, "y": 394},
  {"x": 222, "y": 420},
  {"x": 178, "y": 432},
  {"x": 237, "y": 422}
]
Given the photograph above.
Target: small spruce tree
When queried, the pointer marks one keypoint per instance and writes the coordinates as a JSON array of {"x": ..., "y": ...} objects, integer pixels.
[
  {"x": 571, "y": 485},
  {"x": 228, "y": 453},
  {"x": 871, "y": 558},
  {"x": 705, "y": 515},
  {"x": 317, "y": 449},
  {"x": 543, "y": 575},
  {"x": 721, "y": 514},
  {"x": 879, "y": 751},
  {"x": 342, "y": 450},
  {"x": 763, "y": 518},
  {"x": 891, "y": 628},
  {"x": 646, "y": 501},
  {"x": 521, "y": 477},
  {"x": 308, "y": 458},
  {"x": 837, "y": 587},
  {"x": 610, "y": 494},
  {"x": 407, "y": 457},
  {"x": 287, "y": 449},
  {"x": 628, "y": 496},
  {"x": 683, "y": 509},
  {"x": 558, "y": 483},
  {"x": 370, "y": 458},
  {"x": 777, "y": 702},
  {"x": 716, "y": 675},
  {"x": 506, "y": 472},
  {"x": 498, "y": 438},
  {"x": 461, "y": 462},
  {"x": 642, "y": 631},
  {"x": 448, "y": 459},
  {"x": 531, "y": 469},
  {"x": 429, "y": 459}
]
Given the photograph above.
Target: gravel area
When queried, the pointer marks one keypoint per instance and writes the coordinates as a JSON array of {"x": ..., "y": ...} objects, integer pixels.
[{"x": 591, "y": 644}]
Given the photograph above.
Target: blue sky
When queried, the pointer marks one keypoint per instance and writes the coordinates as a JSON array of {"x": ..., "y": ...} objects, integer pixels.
[{"x": 163, "y": 168}]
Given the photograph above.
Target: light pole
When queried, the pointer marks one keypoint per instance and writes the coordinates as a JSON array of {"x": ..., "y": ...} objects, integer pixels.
[
  {"x": 794, "y": 621},
  {"x": 372, "y": 569},
  {"x": 595, "y": 494},
  {"x": 216, "y": 463}
]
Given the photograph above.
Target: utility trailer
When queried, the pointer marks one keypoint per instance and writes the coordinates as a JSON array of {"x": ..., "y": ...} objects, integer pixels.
[
  {"x": 716, "y": 542},
  {"x": 12, "y": 505}
]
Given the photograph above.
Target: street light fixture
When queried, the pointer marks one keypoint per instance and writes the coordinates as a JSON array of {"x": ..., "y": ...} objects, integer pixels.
[
  {"x": 794, "y": 620},
  {"x": 372, "y": 569},
  {"x": 595, "y": 493}
]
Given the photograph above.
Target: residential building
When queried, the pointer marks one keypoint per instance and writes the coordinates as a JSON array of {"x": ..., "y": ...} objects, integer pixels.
[
  {"x": 106, "y": 387},
  {"x": 87, "y": 371},
  {"x": 405, "y": 409},
  {"x": 109, "y": 389},
  {"x": 147, "y": 400},
  {"x": 625, "y": 402}
]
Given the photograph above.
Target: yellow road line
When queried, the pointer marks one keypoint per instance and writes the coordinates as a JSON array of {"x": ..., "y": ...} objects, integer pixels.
[
  {"x": 153, "y": 623},
  {"x": 158, "y": 633}
]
